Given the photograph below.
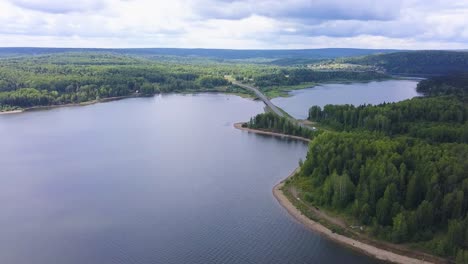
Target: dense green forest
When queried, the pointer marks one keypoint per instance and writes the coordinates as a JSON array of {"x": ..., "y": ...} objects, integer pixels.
[
  {"x": 405, "y": 189},
  {"x": 454, "y": 84},
  {"x": 297, "y": 76},
  {"x": 272, "y": 122},
  {"x": 42, "y": 77},
  {"x": 74, "y": 77},
  {"x": 400, "y": 168},
  {"x": 415, "y": 62},
  {"x": 436, "y": 119}
]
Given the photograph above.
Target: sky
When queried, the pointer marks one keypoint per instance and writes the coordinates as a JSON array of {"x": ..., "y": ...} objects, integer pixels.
[{"x": 235, "y": 24}]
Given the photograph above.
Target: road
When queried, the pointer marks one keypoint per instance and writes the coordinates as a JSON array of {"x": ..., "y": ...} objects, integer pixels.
[
  {"x": 261, "y": 96},
  {"x": 268, "y": 103}
]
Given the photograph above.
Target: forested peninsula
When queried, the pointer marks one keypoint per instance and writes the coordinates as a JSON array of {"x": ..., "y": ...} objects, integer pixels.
[{"x": 398, "y": 171}]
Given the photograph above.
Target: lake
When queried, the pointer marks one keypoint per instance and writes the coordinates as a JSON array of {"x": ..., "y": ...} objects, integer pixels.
[
  {"x": 353, "y": 93},
  {"x": 165, "y": 179}
]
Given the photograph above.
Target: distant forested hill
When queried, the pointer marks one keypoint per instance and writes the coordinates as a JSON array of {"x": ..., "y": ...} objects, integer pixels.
[
  {"x": 225, "y": 54},
  {"x": 416, "y": 62},
  {"x": 45, "y": 76},
  {"x": 77, "y": 77},
  {"x": 445, "y": 85}
]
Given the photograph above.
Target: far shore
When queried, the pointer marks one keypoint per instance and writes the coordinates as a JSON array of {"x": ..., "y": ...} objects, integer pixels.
[
  {"x": 44, "y": 107},
  {"x": 283, "y": 92},
  {"x": 11, "y": 112},
  {"x": 368, "y": 249},
  {"x": 108, "y": 99}
]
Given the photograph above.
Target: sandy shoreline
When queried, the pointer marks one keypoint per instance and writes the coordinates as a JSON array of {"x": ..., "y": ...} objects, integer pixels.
[
  {"x": 11, "y": 112},
  {"x": 239, "y": 126},
  {"x": 367, "y": 249},
  {"x": 314, "y": 226},
  {"x": 45, "y": 107},
  {"x": 103, "y": 100}
]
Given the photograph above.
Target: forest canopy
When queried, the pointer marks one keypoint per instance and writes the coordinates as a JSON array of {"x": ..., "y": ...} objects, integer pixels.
[
  {"x": 399, "y": 168},
  {"x": 75, "y": 77},
  {"x": 63, "y": 76},
  {"x": 274, "y": 123}
]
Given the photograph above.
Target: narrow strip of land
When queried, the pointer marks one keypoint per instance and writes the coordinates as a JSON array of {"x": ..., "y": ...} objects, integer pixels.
[
  {"x": 269, "y": 133},
  {"x": 289, "y": 198},
  {"x": 261, "y": 96},
  {"x": 268, "y": 103}
]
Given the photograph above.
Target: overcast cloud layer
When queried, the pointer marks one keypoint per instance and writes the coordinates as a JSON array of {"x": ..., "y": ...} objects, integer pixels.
[{"x": 244, "y": 24}]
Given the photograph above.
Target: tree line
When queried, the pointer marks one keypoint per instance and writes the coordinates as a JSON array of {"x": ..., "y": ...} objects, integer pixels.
[
  {"x": 274, "y": 123},
  {"x": 437, "y": 119},
  {"x": 401, "y": 169},
  {"x": 75, "y": 78},
  {"x": 453, "y": 84},
  {"x": 404, "y": 189},
  {"x": 295, "y": 76}
]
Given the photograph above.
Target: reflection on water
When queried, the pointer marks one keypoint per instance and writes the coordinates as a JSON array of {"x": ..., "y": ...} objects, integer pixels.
[
  {"x": 354, "y": 93},
  {"x": 150, "y": 180}
]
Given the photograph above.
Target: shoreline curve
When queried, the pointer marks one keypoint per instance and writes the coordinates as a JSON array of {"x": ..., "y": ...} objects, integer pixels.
[
  {"x": 311, "y": 225},
  {"x": 314, "y": 226}
]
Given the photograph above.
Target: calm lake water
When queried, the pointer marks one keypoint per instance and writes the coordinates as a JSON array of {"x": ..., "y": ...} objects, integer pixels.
[
  {"x": 150, "y": 180},
  {"x": 355, "y": 93}
]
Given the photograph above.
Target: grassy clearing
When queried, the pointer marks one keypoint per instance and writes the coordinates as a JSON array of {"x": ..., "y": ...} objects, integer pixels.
[{"x": 283, "y": 91}]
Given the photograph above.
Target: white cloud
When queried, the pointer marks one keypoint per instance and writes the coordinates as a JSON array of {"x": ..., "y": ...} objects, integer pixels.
[
  {"x": 60, "y": 6},
  {"x": 406, "y": 24},
  {"x": 302, "y": 9}
]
